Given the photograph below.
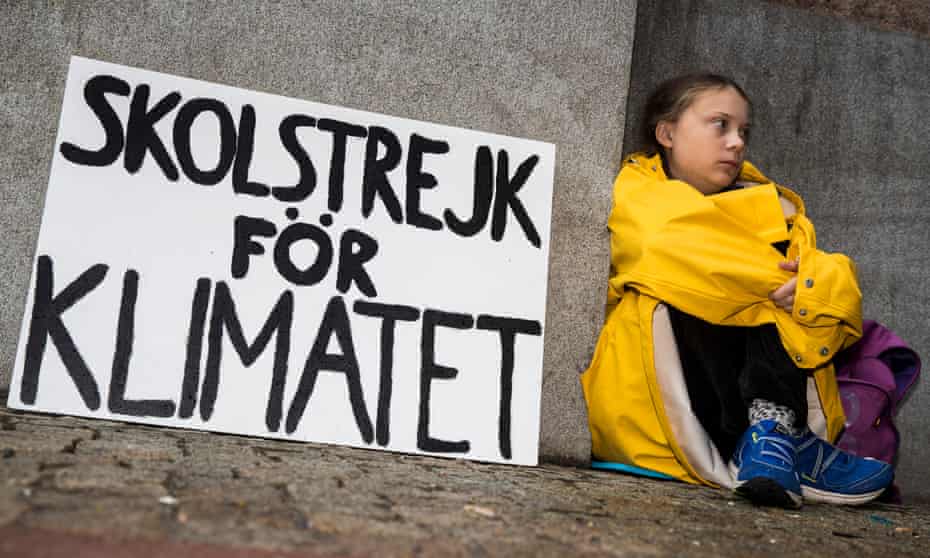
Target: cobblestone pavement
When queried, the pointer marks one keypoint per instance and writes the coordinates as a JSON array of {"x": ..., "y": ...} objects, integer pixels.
[{"x": 76, "y": 487}]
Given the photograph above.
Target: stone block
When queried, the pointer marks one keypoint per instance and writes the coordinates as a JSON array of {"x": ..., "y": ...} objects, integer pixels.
[{"x": 556, "y": 72}]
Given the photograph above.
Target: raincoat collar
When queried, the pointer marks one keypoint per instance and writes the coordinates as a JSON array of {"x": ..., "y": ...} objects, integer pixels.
[{"x": 653, "y": 167}]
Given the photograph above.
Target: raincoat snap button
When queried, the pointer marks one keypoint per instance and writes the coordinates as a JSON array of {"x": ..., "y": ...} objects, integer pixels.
[
  {"x": 802, "y": 311},
  {"x": 824, "y": 351},
  {"x": 797, "y": 358},
  {"x": 653, "y": 167},
  {"x": 808, "y": 283}
]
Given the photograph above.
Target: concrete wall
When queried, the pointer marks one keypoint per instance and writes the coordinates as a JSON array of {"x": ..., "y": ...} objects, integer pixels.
[
  {"x": 841, "y": 115},
  {"x": 550, "y": 71}
]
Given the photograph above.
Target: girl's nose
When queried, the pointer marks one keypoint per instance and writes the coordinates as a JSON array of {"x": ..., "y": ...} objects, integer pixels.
[{"x": 735, "y": 141}]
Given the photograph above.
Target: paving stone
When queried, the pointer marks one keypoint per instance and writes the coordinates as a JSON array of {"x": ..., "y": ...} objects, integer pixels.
[{"x": 175, "y": 488}]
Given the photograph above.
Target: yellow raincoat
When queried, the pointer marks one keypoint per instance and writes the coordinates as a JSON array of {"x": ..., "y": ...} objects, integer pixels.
[{"x": 711, "y": 257}]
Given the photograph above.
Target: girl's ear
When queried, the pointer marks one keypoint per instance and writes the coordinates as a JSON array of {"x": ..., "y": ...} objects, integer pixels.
[{"x": 664, "y": 133}]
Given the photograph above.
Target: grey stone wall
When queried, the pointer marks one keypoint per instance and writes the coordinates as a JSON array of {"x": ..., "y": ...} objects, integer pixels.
[
  {"x": 841, "y": 115},
  {"x": 550, "y": 71}
]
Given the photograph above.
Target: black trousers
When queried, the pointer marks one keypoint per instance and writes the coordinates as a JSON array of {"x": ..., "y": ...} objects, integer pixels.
[{"x": 726, "y": 367}]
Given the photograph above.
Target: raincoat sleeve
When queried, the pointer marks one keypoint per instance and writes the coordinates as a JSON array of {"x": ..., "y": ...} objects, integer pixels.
[
  {"x": 712, "y": 257},
  {"x": 828, "y": 291},
  {"x": 670, "y": 241}
]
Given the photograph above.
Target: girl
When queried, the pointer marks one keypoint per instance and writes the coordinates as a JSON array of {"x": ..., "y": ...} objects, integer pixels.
[{"x": 714, "y": 362}]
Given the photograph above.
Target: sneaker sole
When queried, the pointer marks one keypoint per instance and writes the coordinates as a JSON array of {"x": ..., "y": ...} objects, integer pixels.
[
  {"x": 768, "y": 492},
  {"x": 815, "y": 495}
]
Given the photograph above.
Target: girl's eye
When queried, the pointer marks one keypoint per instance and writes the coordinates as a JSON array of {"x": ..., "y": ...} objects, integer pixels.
[{"x": 720, "y": 123}]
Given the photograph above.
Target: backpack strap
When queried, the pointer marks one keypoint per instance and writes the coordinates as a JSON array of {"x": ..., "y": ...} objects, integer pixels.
[{"x": 904, "y": 364}]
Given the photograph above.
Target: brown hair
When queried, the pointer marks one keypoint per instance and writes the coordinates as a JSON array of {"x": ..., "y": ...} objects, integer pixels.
[{"x": 672, "y": 97}]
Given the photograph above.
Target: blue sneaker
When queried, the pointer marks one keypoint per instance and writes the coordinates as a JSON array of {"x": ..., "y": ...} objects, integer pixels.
[
  {"x": 764, "y": 466},
  {"x": 829, "y": 474}
]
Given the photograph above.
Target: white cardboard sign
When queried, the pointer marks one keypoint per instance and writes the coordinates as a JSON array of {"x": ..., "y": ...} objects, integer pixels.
[{"x": 222, "y": 259}]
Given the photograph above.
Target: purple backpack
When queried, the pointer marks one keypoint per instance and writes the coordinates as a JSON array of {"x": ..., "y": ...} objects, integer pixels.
[{"x": 873, "y": 375}]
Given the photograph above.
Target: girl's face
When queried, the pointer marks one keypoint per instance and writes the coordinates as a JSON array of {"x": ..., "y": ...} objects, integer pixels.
[{"x": 706, "y": 145}]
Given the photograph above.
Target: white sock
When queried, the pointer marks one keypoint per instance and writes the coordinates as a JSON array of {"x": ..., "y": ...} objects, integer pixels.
[{"x": 760, "y": 410}]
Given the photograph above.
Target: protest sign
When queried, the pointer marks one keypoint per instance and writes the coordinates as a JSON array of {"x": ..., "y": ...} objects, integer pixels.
[{"x": 227, "y": 260}]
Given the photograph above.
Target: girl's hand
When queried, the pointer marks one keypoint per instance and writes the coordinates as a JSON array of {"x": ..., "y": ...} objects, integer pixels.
[{"x": 783, "y": 296}]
